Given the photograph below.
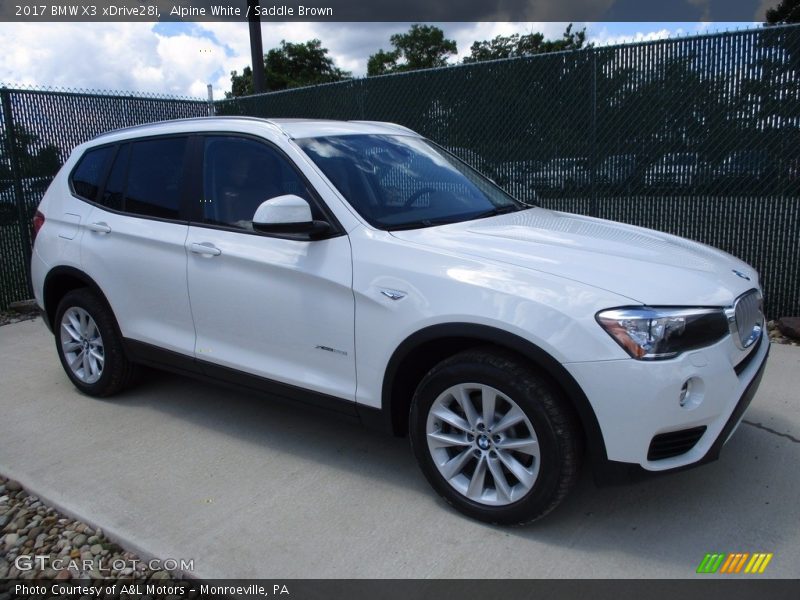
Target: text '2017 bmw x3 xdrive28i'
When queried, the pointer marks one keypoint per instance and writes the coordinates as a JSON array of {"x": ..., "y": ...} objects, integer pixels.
[{"x": 361, "y": 267}]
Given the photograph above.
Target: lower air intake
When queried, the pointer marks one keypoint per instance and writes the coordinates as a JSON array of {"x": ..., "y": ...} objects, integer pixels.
[{"x": 674, "y": 443}]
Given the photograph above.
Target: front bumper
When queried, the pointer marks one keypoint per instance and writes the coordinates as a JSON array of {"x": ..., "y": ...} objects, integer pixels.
[{"x": 634, "y": 401}]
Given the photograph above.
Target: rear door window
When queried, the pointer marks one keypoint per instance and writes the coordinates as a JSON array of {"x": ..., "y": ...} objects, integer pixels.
[
  {"x": 155, "y": 177},
  {"x": 114, "y": 192}
]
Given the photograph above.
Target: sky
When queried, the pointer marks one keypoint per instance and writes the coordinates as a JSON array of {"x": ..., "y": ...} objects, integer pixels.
[{"x": 182, "y": 58}]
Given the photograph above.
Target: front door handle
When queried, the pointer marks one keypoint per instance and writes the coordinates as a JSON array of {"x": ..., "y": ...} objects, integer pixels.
[
  {"x": 206, "y": 249},
  {"x": 99, "y": 227}
]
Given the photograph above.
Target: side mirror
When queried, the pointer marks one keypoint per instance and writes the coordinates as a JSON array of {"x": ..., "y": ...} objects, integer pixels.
[{"x": 288, "y": 214}]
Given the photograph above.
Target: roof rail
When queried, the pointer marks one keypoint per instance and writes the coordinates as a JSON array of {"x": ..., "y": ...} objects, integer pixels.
[
  {"x": 386, "y": 123},
  {"x": 189, "y": 120}
]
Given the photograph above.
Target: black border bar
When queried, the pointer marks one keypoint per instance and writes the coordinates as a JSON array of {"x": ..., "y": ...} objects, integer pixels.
[
  {"x": 705, "y": 587},
  {"x": 38, "y": 11}
]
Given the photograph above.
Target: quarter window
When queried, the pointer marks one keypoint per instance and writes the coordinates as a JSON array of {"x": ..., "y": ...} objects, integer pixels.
[
  {"x": 240, "y": 174},
  {"x": 89, "y": 173}
]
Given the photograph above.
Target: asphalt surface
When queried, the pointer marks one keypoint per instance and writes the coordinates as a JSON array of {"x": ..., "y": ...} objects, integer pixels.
[{"x": 250, "y": 487}]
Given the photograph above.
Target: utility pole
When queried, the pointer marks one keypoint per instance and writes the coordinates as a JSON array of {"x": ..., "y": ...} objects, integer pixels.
[{"x": 256, "y": 47}]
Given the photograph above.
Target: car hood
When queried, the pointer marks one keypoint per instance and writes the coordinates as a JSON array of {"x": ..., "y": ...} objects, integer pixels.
[{"x": 649, "y": 267}]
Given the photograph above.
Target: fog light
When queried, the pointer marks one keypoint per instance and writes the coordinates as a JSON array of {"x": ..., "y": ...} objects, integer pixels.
[
  {"x": 685, "y": 391},
  {"x": 692, "y": 392}
]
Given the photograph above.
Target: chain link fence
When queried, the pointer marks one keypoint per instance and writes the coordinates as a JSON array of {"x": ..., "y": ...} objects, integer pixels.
[
  {"x": 697, "y": 136},
  {"x": 38, "y": 130}
]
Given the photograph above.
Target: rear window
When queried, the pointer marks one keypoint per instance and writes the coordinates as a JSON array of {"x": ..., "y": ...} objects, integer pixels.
[{"x": 88, "y": 175}]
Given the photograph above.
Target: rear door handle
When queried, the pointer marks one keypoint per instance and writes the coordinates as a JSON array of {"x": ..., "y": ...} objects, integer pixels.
[
  {"x": 206, "y": 249},
  {"x": 100, "y": 227}
]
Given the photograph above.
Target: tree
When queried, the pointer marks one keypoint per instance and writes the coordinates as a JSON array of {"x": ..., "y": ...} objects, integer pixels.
[
  {"x": 524, "y": 45},
  {"x": 422, "y": 47},
  {"x": 382, "y": 62},
  {"x": 34, "y": 159},
  {"x": 788, "y": 11},
  {"x": 37, "y": 163},
  {"x": 289, "y": 66}
]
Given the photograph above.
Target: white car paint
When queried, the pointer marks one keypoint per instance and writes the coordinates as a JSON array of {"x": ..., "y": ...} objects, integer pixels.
[
  {"x": 275, "y": 308},
  {"x": 265, "y": 304},
  {"x": 150, "y": 253}
]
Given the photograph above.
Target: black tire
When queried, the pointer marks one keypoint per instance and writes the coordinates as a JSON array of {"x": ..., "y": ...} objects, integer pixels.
[
  {"x": 552, "y": 418},
  {"x": 117, "y": 371}
]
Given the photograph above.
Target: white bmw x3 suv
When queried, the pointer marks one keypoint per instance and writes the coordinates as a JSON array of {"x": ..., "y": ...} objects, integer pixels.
[{"x": 362, "y": 268}]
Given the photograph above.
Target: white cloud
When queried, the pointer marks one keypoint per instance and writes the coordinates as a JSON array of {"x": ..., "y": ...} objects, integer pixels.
[
  {"x": 136, "y": 57},
  {"x": 109, "y": 56},
  {"x": 236, "y": 40},
  {"x": 148, "y": 58},
  {"x": 603, "y": 37}
]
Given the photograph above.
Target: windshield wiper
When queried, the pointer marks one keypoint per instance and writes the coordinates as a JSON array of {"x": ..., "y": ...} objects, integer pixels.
[
  {"x": 420, "y": 224},
  {"x": 497, "y": 210}
]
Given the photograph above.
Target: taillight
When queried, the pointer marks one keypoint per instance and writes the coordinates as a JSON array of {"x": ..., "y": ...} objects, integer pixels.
[{"x": 38, "y": 221}]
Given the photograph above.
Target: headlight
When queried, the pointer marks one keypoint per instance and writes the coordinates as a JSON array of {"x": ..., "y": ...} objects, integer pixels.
[{"x": 658, "y": 333}]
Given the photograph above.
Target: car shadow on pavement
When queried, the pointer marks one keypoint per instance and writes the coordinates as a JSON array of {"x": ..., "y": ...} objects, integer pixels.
[
  {"x": 736, "y": 503},
  {"x": 310, "y": 432},
  {"x": 739, "y": 503}
]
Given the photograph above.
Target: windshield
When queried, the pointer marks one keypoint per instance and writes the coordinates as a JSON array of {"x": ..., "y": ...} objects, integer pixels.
[{"x": 404, "y": 182}]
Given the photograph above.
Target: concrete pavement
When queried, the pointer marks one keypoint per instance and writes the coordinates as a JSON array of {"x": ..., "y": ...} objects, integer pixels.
[{"x": 248, "y": 487}]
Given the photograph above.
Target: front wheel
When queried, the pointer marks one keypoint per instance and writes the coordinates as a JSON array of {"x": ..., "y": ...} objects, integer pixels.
[{"x": 494, "y": 438}]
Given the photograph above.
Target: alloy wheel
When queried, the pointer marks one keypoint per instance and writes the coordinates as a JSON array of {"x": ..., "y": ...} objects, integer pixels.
[
  {"x": 483, "y": 444},
  {"x": 82, "y": 345}
]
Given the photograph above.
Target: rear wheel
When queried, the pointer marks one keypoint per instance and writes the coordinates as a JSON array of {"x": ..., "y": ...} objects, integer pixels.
[
  {"x": 494, "y": 437},
  {"x": 89, "y": 346}
]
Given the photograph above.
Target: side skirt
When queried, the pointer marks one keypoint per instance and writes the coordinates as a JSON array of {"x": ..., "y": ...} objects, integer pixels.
[{"x": 167, "y": 360}]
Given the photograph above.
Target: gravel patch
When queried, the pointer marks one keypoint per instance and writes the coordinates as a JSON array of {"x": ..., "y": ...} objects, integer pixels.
[
  {"x": 7, "y": 317},
  {"x": 37, "y": 542},
  {"x": 25, "y": 310},
  {"x": 776, "y": 337}
]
